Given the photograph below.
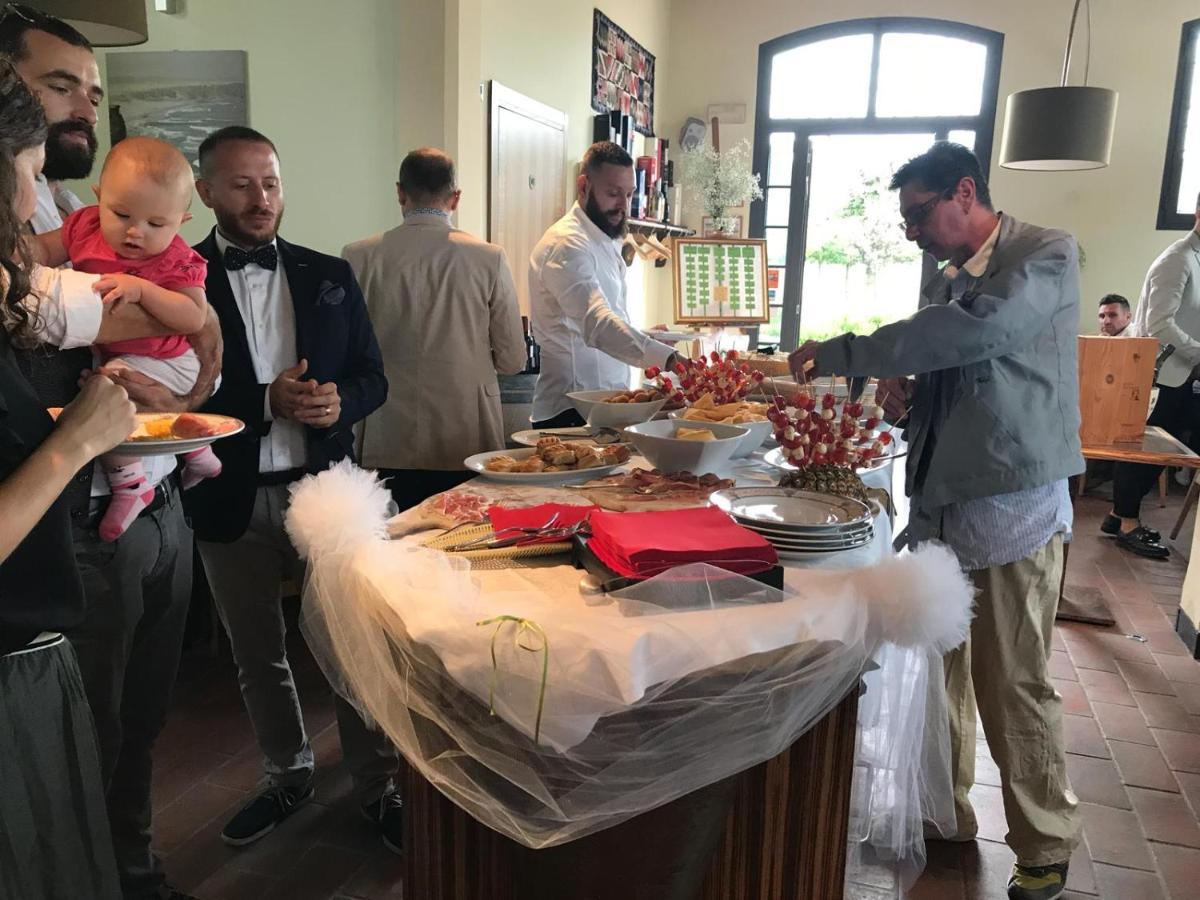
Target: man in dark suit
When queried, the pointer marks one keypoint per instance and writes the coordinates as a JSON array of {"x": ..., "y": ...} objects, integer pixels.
[{"x": 301, "y": 367}]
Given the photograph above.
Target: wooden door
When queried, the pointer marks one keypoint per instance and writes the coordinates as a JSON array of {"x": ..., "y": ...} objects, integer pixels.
[{"x": 528, "y": 190}]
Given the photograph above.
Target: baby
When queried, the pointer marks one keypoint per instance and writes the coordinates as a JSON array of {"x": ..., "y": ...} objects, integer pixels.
[{"x": 132, "y": 238}]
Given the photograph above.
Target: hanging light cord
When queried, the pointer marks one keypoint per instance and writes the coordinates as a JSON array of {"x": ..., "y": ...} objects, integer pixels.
[{"x": 1087, "y": 59}]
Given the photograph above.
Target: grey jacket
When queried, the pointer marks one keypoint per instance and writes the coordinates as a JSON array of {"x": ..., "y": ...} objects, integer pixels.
[{"x": 996, "y": 406}]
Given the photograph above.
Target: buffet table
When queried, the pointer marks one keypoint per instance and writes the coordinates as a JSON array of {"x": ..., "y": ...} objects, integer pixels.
[{"x": 717, "y": 754}]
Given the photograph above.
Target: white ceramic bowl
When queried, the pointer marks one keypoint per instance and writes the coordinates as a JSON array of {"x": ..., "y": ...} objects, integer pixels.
[
  {"x": 598, "y": 414},
  {"x": 759, "y": 432},
  {"x": 657, "y": 442}
]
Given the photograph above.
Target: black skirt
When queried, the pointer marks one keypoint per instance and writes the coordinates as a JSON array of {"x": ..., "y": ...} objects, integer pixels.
[{"x": 54, "y": 836}]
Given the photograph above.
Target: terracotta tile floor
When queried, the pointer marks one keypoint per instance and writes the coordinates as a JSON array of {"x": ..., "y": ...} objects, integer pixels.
[
  {"x": 1133, "y": 738},
  {"x": 1133, "y": 729}
]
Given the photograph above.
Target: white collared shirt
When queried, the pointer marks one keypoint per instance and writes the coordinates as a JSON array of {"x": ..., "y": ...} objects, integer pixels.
[
  {"x": 578, "y": 302},
  {"x": 53, "y": 205},
  {"x": 265, "y": 303}
]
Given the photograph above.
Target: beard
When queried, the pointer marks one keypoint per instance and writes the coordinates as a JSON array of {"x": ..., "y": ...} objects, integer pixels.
[
  {"x": 602, "y": 220},
  {"x": 231, "y": 226},
  {"x": 65, "y": 159}
]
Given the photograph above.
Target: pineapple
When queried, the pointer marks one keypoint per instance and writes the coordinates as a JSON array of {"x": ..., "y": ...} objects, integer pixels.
[{"x": 827, "y": 479}]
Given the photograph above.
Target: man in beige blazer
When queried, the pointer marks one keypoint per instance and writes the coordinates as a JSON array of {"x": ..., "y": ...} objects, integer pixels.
[{"x": 444, "y": 309}]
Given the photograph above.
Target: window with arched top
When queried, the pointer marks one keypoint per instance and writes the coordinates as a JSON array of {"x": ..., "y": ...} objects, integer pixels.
[{"x": 840, "y": 107}]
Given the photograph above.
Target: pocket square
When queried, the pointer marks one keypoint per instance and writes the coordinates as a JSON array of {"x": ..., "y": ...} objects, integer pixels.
[{"x": 330, "y": 294}]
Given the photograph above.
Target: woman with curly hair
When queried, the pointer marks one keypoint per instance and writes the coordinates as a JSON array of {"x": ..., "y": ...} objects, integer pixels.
[{"x": 54, "y": 835}]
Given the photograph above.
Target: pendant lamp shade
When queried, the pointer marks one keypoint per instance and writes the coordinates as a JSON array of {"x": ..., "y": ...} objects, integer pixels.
[
  {"x": 105, "y": 23},
  {"x": 1057, "y": 129}
]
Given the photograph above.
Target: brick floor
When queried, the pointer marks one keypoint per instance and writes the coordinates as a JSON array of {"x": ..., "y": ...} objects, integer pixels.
[
  {"x": 1133, "y": 732},
  {"x": 1133, "y": 728}
]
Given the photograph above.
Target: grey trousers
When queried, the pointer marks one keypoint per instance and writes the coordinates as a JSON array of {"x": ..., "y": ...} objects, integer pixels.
[
  {"x": 245, "y": 577},
  {"x": 137, "y": 589},
  {"x": 54, "y": 837}
]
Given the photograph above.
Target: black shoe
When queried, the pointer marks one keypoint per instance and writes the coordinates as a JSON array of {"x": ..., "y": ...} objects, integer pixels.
[
  {"x": 1112, "y": 525},
  {"x": 168, "y": 892},
  {"x": 1143, "y": 542},
  {"x": 388, "y": 813},
  {"x": 264, "y": 812}
]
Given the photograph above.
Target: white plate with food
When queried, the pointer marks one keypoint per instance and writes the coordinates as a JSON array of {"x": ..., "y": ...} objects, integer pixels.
[
  {"x": 776, "y": 459},
  {"x": 551, "y": 462},
  {"x": 165, "y": 434},
  {"x": 616, "y": 409}
]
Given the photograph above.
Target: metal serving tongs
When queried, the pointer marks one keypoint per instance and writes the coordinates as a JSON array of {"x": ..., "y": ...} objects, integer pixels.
[
  {"x": 522, "y": 529},
  {"x": 523, "y": 535},
  {"x": 600, "y": 434}
]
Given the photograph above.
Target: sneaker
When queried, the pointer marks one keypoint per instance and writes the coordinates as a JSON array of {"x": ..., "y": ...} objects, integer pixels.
[
  {"x": 260, "y": 816},
  {"x": 1037, "y": 882},
  {"x": 1143, "y": 542},
  {"x": 387, "y": 814},
  {"x": 1112, "y": 525}
]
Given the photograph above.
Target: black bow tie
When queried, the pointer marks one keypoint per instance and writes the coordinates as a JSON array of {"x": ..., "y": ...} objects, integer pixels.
[{"x": 236, "y": 258}]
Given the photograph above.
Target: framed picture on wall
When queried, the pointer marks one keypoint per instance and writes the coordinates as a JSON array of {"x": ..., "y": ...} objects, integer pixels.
[
  {"x": 708, "y": 227},
  {"x": 179, "y": 96},
  {"x": 720, "y": 280},
  {"x": 622, "y": 74}
]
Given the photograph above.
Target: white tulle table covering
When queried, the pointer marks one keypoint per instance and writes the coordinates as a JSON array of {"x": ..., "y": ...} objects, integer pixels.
[{"x": 638, "y": 710}]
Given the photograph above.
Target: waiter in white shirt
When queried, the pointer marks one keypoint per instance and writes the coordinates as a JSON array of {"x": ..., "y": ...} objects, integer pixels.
[{"x": 577, "y": 294}]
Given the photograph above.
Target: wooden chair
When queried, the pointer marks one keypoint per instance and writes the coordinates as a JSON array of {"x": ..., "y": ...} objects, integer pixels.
[{"x": 1188, "y": 502}]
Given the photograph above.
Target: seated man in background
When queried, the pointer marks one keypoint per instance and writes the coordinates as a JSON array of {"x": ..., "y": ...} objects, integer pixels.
[
  {"x": 1114, "y": 316},
  {"x": 444, "y": 308}
]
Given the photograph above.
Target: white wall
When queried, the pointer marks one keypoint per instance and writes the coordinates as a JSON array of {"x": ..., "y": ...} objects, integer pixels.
[
  {"x": 543, "y": 49},
  {"x": 1112, "y": 211},
  {"x": 325, "y": 84}
]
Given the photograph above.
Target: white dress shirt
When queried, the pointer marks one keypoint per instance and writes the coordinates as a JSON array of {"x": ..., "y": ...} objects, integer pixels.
[
  {"x": 265, "y": 302},
  {"x": 580, "y": 315},
  {"x": 53, "y": 205},
  {"x": 68, "y": 310}
]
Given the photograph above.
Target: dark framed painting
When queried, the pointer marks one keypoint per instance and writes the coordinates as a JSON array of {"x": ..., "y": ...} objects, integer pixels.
[{"x": 622, "y": 74}]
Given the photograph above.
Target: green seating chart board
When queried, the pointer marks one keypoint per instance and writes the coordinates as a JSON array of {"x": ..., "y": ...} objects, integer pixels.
[{"x": 720, "y": 280}]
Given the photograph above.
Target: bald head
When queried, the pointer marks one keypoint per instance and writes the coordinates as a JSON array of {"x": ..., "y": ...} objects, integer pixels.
[
  {"x": 153, "y": 160},
  {"x": 427, "y": 179}
]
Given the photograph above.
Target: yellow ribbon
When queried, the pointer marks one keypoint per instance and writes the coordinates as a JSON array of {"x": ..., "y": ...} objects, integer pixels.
[{"x": 522, "y": 626}]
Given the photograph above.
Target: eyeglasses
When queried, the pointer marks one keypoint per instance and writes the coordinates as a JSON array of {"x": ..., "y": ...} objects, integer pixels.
[{"x": 917, "y": 216}]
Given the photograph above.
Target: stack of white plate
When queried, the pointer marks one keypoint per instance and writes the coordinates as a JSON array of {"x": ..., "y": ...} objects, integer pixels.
[{"x": 799, "y": 523}]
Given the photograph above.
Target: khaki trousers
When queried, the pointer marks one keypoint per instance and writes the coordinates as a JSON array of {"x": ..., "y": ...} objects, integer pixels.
[{"x": 1007, "y": 658}]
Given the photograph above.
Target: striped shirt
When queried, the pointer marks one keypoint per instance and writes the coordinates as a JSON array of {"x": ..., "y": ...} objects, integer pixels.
[{"x": 998, "y": 530}]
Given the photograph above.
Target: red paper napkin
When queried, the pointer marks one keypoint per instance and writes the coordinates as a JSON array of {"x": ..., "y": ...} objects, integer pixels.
[
  {"x": 535, "y": 516},
  {"x": 644, "y": 544}
]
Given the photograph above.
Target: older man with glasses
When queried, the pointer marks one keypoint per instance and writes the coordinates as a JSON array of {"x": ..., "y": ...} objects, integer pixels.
[{"x": 993, "y": 435}]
